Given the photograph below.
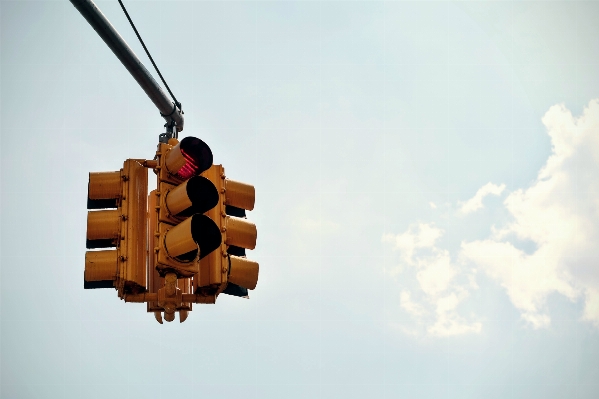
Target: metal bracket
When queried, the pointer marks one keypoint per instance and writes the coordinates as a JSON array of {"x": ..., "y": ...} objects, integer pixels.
[{"x": 171, "y": 132}]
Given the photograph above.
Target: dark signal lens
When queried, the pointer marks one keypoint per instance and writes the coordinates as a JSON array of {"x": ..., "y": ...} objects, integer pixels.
[{"x": 206, "y": 234}]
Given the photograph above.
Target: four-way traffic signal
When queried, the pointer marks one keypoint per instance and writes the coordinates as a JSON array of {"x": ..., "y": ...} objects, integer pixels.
[{"x": 183, "y": 243}]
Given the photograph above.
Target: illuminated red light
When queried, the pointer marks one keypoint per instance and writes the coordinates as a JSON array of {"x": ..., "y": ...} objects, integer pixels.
[
  {"x": 193, "y": 153},
  {"x": 189, "y": 169}
]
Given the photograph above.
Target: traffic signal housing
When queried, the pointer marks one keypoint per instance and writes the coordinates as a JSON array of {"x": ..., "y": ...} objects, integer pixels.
[
  {"x": 227, "y": 270},
  {"x": 181, "y": 244},
  {"x": 185, "y": 235},
  {"x": 116, "y": 225}
]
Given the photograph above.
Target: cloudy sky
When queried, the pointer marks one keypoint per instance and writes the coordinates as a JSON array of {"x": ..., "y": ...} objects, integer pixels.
[{"x": 427, "y": 178}]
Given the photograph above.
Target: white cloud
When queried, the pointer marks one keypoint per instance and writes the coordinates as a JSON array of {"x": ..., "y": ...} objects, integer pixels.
[
  {"x": 448, "y": 321},
  {"x": 432, "y": 205},
  {"x": 591, "y": 306},
  {"x": 527, "y": 279},
  {"x": 417, "y": 237},
  {"x": 432, "y": 273},
  {"x": 435, "y": 273},
  {"x": 536, "y": 320},
  {"x": 405, "y": 301},
  {"x": 559, "y": 212},
  {"x": 475, "y": 203}
]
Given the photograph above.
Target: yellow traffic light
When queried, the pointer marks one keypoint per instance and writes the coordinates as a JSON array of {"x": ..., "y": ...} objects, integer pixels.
[
  {"x": 123, "y": 228},
  {"x": 184, "y": 234},
  {"x": 181, "y": 244},
  {"x": 228, "y": 270}
]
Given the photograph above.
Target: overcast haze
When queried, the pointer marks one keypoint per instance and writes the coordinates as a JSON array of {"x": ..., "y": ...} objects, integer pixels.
[{"x": 427, "y": 184}]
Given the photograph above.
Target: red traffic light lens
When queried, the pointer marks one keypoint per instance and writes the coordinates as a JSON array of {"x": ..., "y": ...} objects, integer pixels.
[{"x": 198, "y": 157}]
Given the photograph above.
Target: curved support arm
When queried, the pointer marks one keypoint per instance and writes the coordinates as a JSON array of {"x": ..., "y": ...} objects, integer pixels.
[{"x": 168, "y": 110}]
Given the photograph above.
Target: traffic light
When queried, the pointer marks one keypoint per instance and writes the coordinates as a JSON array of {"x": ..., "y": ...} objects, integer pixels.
[
  {"x": 155, "y": 281},
  {"x": 184, "y": 234},
  {"x": 227, "y": 270},
  {"x": 182, "y": 243},
  {"x": 117, "y": 219},
  {"x": 241, "y": 288}
]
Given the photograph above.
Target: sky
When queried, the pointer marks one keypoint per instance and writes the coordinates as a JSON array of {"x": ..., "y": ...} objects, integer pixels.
[{"x": 427, "y": 184}]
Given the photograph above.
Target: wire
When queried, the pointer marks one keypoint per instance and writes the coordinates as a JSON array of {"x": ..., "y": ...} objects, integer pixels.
[{"x": 177, "y": 103}]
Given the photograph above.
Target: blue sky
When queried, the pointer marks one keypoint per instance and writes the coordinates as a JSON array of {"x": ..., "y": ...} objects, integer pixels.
[{"x": 426, "y": 198}]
